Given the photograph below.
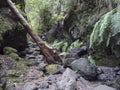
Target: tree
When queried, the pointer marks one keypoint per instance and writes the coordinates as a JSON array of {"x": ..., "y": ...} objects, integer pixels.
[{"x": 51, "y": 55}]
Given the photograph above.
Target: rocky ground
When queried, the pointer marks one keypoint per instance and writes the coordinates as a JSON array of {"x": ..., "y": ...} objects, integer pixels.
[{"x": 32, "y": 72}]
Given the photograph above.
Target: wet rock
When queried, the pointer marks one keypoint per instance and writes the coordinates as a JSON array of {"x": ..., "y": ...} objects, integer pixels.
[
  {"x": 54, "y": 68},
  {"x": 103, "y": 87},
  {"x": 68, "y": 80},
  {"x": 85, "y": 68}
]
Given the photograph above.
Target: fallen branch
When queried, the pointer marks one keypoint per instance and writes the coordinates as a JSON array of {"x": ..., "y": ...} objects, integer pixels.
[{"x": 51, "y": 55}]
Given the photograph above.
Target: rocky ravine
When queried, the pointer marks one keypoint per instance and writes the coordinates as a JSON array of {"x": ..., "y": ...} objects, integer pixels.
[{"x": 76, "y": 74}]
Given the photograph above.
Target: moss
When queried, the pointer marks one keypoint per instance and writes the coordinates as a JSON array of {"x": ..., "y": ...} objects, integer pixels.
[
  {"x": 9, "y": 50},
  {"x": 14, "y": 56},
  {"x": 5, "y": 24},
  {"x": 54, "y": 69},
  {"x": 105, "y": 62},
  {"x": 51, "y": 69},
  {"x": 12, "y": 73},
  {"x": 11, "y": 32},
  {"x": 19, "y": 68}
]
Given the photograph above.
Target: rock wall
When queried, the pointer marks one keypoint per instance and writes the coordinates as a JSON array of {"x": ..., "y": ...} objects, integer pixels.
[
  {"x": 11, "y": 31},
  {"x": 80, "y": 18}
]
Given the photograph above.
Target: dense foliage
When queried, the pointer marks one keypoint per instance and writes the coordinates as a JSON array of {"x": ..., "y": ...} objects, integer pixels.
[
  {"x": 44, "y": 14},
  {"x": 107, "y": 30}
]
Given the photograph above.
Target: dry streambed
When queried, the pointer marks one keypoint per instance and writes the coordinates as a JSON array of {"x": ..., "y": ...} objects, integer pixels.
[{"x": 76, "y": 74}]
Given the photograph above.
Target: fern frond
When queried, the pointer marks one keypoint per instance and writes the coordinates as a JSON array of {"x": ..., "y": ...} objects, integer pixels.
[{"x": 105, "y": 28}]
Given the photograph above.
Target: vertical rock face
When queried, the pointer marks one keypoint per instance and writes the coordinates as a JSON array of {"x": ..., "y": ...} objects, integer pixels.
[{"x": 11, "y": 31}]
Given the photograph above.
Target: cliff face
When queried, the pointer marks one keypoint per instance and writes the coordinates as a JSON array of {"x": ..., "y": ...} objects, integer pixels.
[
  {"x": 75, "y": 18},
  {"x": 11, "y": 31},
  {"x": 84, "y": 15}
]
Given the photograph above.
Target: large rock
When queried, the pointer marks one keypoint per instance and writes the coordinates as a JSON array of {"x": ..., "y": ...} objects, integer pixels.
[
  {"x": 11, "y": 31},
  {"x": 85, "y": 68},
  {"x": 68, "y": 81},
  {"x": 103, "y": 87}
]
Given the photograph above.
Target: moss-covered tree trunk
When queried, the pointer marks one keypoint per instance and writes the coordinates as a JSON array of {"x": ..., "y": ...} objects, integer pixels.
[{"x": 51, "y": 55}]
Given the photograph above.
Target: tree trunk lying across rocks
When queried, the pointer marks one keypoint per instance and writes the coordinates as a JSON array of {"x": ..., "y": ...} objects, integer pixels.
[{"x": 51, "y": 55}]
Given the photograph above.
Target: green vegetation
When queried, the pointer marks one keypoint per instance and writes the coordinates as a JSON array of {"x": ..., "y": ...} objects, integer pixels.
[
  {"x": 44, "y": 14},
  {"x": 106, "y": 31},
  {"x": 65, "y": 46}
]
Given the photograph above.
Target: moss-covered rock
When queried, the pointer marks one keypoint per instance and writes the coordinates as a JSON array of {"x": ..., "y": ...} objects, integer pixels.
[
  {"x": 14, "y": 56},
  {"x": 9, "y": 50},
  {"x": 54, "y": 68}
]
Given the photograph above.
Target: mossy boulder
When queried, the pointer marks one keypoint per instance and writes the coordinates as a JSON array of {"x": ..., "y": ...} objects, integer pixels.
[
  {"x": 12, "y": 32},
  {"x": 54, "y": 68},
  {"x": 9, "y": 50}
]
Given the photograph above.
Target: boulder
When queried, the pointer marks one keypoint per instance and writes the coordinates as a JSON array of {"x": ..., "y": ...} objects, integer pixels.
[
  {"x": 85, "y": 68},
  {"x": 103, "y": 87},
  {"x": 68, "y": 81}
]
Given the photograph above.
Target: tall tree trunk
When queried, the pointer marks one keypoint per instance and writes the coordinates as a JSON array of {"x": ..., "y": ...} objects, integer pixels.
[{"x": 51, "y": 55}]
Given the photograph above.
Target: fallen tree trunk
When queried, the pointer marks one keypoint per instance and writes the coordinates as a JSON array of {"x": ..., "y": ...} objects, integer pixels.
[{"x": 51, "y": 55}]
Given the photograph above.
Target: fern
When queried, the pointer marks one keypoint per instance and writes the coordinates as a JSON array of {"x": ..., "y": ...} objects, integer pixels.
[
  {"x": 65, "y": 46},
  {"x": 106, "y": 28},
  {"x": 107, "y": 31}
]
